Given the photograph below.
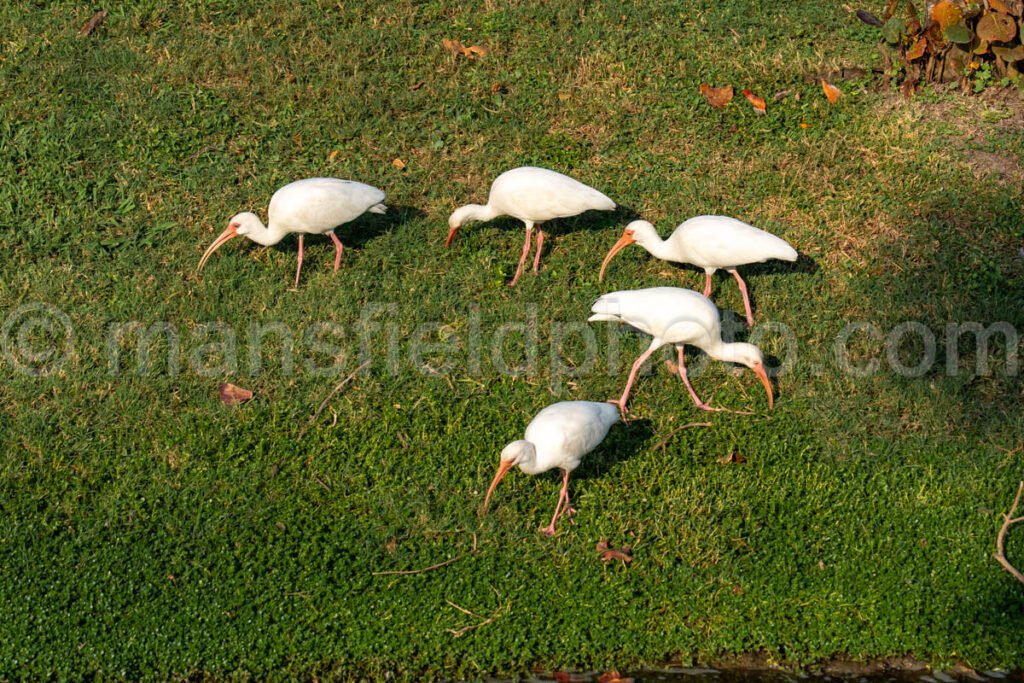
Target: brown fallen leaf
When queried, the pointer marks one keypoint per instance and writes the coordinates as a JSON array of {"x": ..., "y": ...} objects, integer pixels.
[
  {"x": 732, "y": 458},
  {"x": 625, "y": 553},
  {"x": 999, "y": 6},
  {"x": 457, "y": 48},
  {"x": 804, "y": 125},
  {"x": 90, "y": 26},
  {"x": 332, "y": 156},
  {"x": 232, "y": 395},
  {"x": 831, "y": 92},
  {"x": 399, "y": 164},
  {"x": 391, "y": 546},
  {"x": 781, "y": 95},
  {"x": 758, "y": 102},
  {"x": 716, "y": 97}
]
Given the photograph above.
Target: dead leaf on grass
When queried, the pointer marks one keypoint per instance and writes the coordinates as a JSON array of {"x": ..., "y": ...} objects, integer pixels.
[
  {"x": 732, "y": 459},
  {"x": 399, "y": 164},
  {"x": 232, "y": 395},
  {"x": 758, "y": 102},
  {"x": 94, "y": 23},
  {"x": 457, "y": 48},
  {"x": 624, "y": 554},
  {"x": 831, "y": 92},
  {"x": 716, "y": 97}
]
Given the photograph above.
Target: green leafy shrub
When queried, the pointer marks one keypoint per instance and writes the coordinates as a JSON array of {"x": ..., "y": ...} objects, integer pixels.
[{"x": 951, "y": 40}]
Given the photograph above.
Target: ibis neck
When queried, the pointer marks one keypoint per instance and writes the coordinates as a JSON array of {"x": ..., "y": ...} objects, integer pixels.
[
  {"x": 660, "y": 248},
  {"x": 473, "y": 212},
  {"x": 266, "y": 235},
  {"x": 528, "y": 463},
  {"x": 726, "y": 352}
]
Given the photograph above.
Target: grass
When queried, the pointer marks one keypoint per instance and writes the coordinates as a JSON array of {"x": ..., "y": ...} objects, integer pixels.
[{"x": 147, "y": 531}]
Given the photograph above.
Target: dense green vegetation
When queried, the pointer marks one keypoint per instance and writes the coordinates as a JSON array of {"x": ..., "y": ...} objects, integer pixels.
[{"x": 148, "y": 531}]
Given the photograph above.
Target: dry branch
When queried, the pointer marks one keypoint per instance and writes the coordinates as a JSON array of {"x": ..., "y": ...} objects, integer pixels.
[
  {"x": 664, "y": 442},
  {"x": 406, "y": 572},
  {"x": 1008, "y": 521},
  {"x": 333, "y": 392}
]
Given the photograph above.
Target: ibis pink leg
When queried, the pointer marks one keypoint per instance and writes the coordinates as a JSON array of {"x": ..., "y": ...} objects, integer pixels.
[
  {"x": 540, "y": 243},
  {"x": 522, "y": 259},
  {"x": 746, "y": 297},
  {"x": 298, "y": 269},
  {"x": 563, "y": 496},
  {"x": 338, "y": 247},
  {"x": 682, "y": 375},
  {"x": 621, "y": 403},
  {"x": 707, "y": 283}
]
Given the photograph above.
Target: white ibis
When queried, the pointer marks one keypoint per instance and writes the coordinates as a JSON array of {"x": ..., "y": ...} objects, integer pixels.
[
  {"x": 709, "y": 242},
  {"x": 672, "y": 315},
  {"x": 533, "y": 195},
  {"x": 313, "y": 206},
  {"x": 559, "y": 436}
]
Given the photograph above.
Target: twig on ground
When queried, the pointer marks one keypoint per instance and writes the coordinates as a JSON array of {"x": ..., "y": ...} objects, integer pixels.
[
  {"x": 406, "y": 572},
  {"x": 335, "y": 390},
  {"x": 484, "y": 621},
  {"x": 664, "y": 442},
  {"x": 1008, "y": 521}
]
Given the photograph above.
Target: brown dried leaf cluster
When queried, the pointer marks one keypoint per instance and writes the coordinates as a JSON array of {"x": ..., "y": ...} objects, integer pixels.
[
  {"x": 232, "y": 395},
  {"x": 457, "y": 48},
  {"x": 607, "y": 552},
  {"x": 716, "y": 97}
]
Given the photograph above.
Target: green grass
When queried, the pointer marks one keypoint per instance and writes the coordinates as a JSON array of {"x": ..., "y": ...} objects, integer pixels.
[{"x": 147, "y": 531}]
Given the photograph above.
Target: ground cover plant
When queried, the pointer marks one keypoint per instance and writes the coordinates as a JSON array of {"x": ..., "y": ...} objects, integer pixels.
[{"x": 148, "y": 530}]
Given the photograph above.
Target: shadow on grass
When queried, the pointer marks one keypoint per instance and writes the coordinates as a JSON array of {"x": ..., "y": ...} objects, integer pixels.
[
  {"x": 1002, "y": 609},
  {"x": 359, "y": 232},
  {"x": 945, "y": 297},
  {"x": 623, "y": 442}
]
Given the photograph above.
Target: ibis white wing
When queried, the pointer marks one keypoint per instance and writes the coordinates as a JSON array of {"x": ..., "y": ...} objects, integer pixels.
[
  {"x": 317, "y": 205},
  {"x": 655, "y": 309},
  {"x": 564, "y": 432},
  {"x": 724, "y": 242},
  {"x": 537, "y": 194}
]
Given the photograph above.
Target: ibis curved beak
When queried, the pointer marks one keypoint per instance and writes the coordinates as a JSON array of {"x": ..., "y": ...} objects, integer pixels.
[
  {"x": 763, "y": 376},
  {"x": 503, "y": 469},
  {"x": 224, "y": 237},
  {"x": 451, "y": 236},
  {"x": 624, "y": 241}
]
